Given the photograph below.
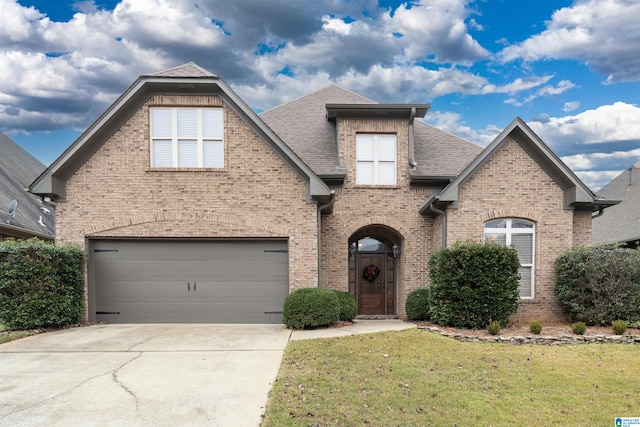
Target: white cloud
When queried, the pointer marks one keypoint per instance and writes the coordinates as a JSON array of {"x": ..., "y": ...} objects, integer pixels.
[
  {"x": 617, "y": 122},
  {"x": 453, "y": 123},
  {"x": 595, "y": 180},
  {"x": 570, "y": 106},
  {"x": 601, "y": 33}
]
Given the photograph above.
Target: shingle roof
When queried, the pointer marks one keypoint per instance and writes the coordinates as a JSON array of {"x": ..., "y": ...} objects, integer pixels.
[
  {"x": 17, "y": 169},
  {"x": 620, "y": 223},
  {"x": 303, "y": 125},
  {"x": 190, "y": 69}
]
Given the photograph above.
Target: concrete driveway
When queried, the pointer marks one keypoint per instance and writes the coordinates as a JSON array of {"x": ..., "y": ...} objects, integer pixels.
[{"x": 141, "y": 375}]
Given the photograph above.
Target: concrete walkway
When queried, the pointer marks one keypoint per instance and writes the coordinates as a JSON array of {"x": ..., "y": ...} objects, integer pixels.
[{"x": 149, "y": 375}]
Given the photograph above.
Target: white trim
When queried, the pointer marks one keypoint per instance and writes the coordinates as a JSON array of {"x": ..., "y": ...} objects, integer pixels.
[
  {"x": 508, "y": 231},
  {"x": 375, "y": 161}
]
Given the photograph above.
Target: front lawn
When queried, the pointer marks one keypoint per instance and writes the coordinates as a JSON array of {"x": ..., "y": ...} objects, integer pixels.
[
  {"x": 6, "y": 336},
  {"x": 416, "y": 378}
]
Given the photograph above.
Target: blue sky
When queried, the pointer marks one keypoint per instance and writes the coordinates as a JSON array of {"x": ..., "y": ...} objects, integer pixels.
[{"x": 570, "y": 69}]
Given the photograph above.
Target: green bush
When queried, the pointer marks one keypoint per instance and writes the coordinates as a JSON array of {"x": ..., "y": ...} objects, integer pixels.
[
  {"x": 579, "y": 328},
  {"x": 417, "y": 305},
  {"x": 619, "y": 327},
  {"x": 41, "y": 285},
  {"x": 599, "y": 285},
  {"x": 311, "y": 308},
  {"x": 535, "y": 327},
  {"x": 494, "y": 327},
  {"x": 473, "y": 284},
  {"x": 348, "y": 306}
]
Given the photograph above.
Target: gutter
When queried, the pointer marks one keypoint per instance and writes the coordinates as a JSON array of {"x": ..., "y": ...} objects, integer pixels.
[
  {"x": 321, "y": 208},
  {"x": 444, "y": 223},
  {"x": 412, "y": 160}
]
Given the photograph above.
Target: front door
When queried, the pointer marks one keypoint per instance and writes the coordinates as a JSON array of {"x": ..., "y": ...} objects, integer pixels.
[{"x": 371, "y": 283}]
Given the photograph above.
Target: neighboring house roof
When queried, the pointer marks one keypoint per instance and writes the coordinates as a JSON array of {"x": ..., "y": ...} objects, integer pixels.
[
  {"x": 305, "y": 126},
  {"x": 185, "y": 79},
  {"x": 576, "y": 194},
  {"x": 620, "y": 223},
  {"x": 17, "y": 169}
]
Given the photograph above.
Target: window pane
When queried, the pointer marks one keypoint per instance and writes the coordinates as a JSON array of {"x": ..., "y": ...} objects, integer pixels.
[
  {"x": 387, "y": 148},
  {"x": 518, "y": 223},
  {"x": 386, "y": 173},
  {"x": 364, "y": 173},
  {"x": 496, "y": 223},
  {"x": 212, "y": 123},
  {"x": 187, "y": 153},
  {"x": 497, "y": 238},
  {"x": 364, "y": 147},
  {"x": 187, "y": 123},
  {"x": 160, "y": 123},
  {"x": 213, "y": 154},
  {"x": 526, "y": 290},
  {"x": 523, "y": 243},
  {"x": 161, "y": 153}
]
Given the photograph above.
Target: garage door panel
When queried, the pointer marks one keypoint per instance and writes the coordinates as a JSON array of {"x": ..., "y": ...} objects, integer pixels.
[{"x": 162, "y": 281}]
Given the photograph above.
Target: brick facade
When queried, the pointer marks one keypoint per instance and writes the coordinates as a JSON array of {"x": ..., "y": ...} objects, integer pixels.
[
  {"x": 512, "y": 185},
  {"x": 115, "y": 193}
]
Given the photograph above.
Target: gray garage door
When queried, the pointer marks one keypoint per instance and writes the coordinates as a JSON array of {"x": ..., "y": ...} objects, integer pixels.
[{"x": 197, "y": 281}]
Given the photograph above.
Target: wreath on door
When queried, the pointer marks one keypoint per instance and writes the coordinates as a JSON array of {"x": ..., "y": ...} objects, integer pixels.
[{"x": 370, "y": 273}]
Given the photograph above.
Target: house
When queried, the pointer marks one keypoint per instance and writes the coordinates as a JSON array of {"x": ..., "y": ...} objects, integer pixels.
[
  {"x": 22, "y": 215},
  {"x": 193, "y": 208},
  {"x": 620, "y": 223}
]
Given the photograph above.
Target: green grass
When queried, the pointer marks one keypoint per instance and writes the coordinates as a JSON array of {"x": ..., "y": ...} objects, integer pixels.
[
  {"x": 6, "y": 336},
  {"x": 416, "y": 378}
]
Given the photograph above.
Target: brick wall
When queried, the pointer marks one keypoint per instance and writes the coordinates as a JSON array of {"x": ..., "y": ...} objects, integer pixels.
[
  {"x": 512, "y": 184},
  {"x": 116, "y": 193},
  {"x": 395, "y": 208}
]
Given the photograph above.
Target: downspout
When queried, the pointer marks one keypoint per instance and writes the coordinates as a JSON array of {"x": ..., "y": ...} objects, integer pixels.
[
  {"x": 600, "y": 212},
  {"x": 412, "y": 160},
  {"x": 320, "y": 209},
  {"x": 444, "y": 223}
]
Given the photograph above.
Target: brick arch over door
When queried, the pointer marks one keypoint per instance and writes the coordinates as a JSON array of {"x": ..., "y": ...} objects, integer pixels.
[
  {"x": 376, "y": 296},
  {"x": 393, "y": 226}
]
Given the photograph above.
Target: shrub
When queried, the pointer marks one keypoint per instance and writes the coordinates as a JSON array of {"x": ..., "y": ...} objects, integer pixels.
[
  {"x": 619, "y": 327},
  {"x": 41, "y": 285},
  {"x": 311, "y": 308},
  {"x": 494, "y": 327},
  {"x": 599, "y": 285},
  {"x": 348, "y": 306},
  {"x": 417, "y": 305},
  {"x": 579, "y": 328},
  {"x": 535, "y": 327},
  {"x": 473, "y": 284}
]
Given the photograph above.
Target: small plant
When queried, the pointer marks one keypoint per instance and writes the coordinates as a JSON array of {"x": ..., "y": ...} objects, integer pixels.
[
  {"x": 535, "y": 327},
  {"x": 494, "y": 327},
  {"x": 417, "y": 305},
  {"x": 619, "y": 327},
  {"x": 311, "y": 308},
  {"x": 579, "y": 328}
]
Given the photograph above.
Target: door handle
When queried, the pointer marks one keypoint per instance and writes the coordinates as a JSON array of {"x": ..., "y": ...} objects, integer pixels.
[
  {"x": 194, "y": 286},
  {"x": 188, "y": 286}
]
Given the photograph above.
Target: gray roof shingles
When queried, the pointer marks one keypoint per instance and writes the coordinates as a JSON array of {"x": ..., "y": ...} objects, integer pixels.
[
  {"x": 620, "y": 223},
  {"x": 17, "y": 170},
  {"x": 302, "y": 124}
]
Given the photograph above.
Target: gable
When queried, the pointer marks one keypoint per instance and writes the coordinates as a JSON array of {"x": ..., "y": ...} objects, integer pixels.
[
  {"x": 186, "y": 80},
  {"x": 576, "y": 194}
]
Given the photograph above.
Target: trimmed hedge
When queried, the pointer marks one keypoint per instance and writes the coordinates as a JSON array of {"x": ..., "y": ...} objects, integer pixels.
[
  {"x": 311, "y": 308},
  {"x": 348, "y": 306},
  {"x": 41, "y": 285},
  {"x": 473, "y": 284},
  {"x": 417, "y": 305},
  {"x": 599, "y": 285}
]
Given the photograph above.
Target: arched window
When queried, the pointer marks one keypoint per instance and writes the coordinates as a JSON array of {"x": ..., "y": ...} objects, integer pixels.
[{"x": 519, "y": 234}]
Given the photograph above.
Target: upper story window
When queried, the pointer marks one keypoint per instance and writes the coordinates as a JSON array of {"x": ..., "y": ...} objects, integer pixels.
[
  {"x": 187, "y": 138},
  {"x": 520, "y": 234},
  {"x": 375, "y": 159}
]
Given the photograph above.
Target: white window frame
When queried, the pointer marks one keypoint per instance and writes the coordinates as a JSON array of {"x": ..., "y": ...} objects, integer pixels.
[
  {"x": 175, "y": 138},
  {"x": 509, "y": 231},
  {"x": 375, "y": 161}
]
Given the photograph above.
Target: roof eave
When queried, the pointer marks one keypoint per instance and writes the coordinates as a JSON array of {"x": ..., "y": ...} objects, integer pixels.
[{"x": 376, "y": 111}]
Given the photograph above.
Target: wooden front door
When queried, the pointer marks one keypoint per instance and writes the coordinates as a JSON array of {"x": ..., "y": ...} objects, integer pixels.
[{"x": 371, "y": 286}]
